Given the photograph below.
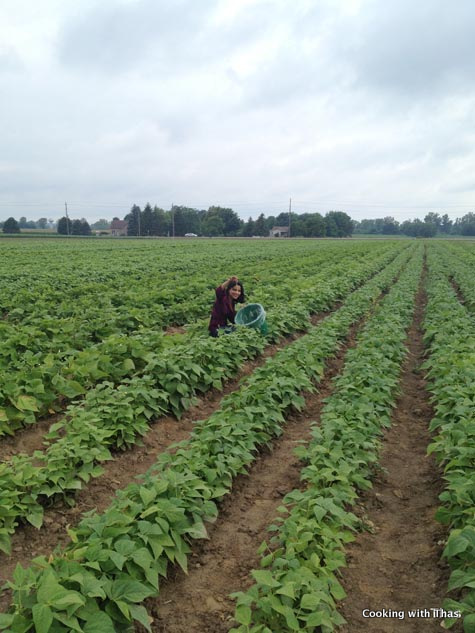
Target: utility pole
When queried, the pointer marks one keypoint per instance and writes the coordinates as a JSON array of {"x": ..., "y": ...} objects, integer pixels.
[
  {"x": 67, "y": 217},
  {"x": 290, "y": 212}
]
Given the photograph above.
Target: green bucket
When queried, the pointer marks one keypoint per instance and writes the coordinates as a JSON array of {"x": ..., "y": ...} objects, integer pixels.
[{"x": 253, "y": 315}]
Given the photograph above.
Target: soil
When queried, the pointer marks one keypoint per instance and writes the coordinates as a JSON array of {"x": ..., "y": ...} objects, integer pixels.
[
  {"x": 199, "y": 601},
  {"x": 29, "y": 542},
  {"x": 397, "y": 564}
]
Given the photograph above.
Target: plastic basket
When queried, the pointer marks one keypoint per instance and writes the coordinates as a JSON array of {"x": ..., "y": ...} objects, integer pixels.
[{"x": 253, "y": 315}]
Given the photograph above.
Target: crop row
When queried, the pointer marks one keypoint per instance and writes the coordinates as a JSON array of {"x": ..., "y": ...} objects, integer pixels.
[
  {"x": 34, "y": 389},
  {"x": 462, "y": 272},
  {"x": 297, "y": 586},
  {"x": 116, "y": 558},
  {"x": 450, "y": 335},
  {"x": 93, "y": 317},
  {"x": 115, "y": 417},
  {"x": 81, "y": 308},
  {"x": 32, "y": 392}
]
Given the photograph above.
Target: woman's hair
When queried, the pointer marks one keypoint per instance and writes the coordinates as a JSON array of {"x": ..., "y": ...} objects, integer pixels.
[{"x": 232, "y": 284}]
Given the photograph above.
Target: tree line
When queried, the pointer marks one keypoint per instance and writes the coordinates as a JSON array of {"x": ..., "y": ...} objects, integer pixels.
[
  {"x": 225, "y": 222},
  {"x": 433, "y": 224}
]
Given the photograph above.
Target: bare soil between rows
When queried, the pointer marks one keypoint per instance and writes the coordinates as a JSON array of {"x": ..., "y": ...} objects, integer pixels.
[
  {"x": 396, "y": 567},
  {"x": 29, "y": 542},
  {"x": 199, "y": 601}
]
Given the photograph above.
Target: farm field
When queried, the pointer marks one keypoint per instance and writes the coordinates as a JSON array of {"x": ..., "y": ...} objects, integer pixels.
[{"x": 318, "y": 479}]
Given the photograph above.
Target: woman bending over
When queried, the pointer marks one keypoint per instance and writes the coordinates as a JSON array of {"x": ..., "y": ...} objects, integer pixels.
[{"x": 224, "y": 309}]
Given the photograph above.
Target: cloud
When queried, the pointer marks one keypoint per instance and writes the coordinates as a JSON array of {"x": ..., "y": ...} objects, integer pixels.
[
  {"x": 422, "y": 49},
  {"x": 120, "y": 37}
]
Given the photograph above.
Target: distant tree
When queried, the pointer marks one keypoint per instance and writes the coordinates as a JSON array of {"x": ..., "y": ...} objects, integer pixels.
[
  {"x": 248, "y": 228},
  {"x": 467, "y": 224},
  {"x": 212, "y": 226},
  {"x": 270, "y": 223},
  {"x": 433, "y": 218},
  {"x": 160, "y": 222},
  {"x": 22, "y": 222},
  {"x": 446, "y": 224},
  {"x": 340, "y": 223},
  {"x": 390, "y": 226},
  {"x": 418, "y": 228},
  {"x": 85, "y": 227},
  {"x": 231, "y": 221},
  {"x": 314, "y": 225},
  {"x": 64, "y": 226},
  {"x": 11, "y": 226},
  {"x": 260, "y": 226},
  {"x": 101, "y": 224},
  {"x": 134, "y": 221},
  {"x": 184, "y": 220},
  {"x": 42, "y": 223},
  {"x": 147, "y": 220},
  {"x": 76, "y": 227},
  {"x": 331, "y": 228}
]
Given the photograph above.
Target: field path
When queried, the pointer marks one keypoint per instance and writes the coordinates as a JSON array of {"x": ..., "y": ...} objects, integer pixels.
[{"x": 397, "y": 567}]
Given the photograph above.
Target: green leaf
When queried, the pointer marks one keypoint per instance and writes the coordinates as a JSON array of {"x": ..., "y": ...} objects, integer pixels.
[
  {"x": 99, "y": 623},
  {"x": 6, "y": 619},
  {"x": 147, "y": 495},
  {"x": 139, "y": 613},
  {"x": 264, "y": 577},
  {"x": 26, "y": 403},
  {"x": 129, "y": 590},
  {"x": 469, "y": 623},
  {"x": 287, "y": 590},
  {"x": 36, "y": 518},
  {"x": 243, "y": 614},
  {"x": 42, "y": 618}
]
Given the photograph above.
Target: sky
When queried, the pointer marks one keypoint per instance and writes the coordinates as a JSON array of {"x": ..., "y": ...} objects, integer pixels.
[{"x": 362, "y": 106}]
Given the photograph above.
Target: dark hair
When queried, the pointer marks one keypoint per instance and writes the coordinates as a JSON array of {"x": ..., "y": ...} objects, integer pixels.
[{"x": 241, "y": 298}]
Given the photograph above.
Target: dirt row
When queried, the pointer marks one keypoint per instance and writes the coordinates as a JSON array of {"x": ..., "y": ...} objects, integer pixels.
[
  {"x": 29, "y": 542},
  {"x": 395, "y": 566}
]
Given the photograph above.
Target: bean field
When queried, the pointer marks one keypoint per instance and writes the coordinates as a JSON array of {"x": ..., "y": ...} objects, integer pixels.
[{"x": 320, "y": 478}]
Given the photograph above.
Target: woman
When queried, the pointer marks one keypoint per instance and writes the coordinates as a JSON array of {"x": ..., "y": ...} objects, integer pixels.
[{"x": 224, "y": 309}]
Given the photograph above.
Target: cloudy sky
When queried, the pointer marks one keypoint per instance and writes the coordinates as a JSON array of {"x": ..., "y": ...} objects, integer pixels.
[{"x": 365, "y": 106}]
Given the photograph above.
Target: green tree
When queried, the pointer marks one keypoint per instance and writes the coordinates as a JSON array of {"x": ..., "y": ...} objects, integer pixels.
[
  {"x": 134, "y": 221},
  {"x": 212, "y": 226},
  {"x": 433, "y": 218},
  {"x": 11, "y": 226},
  {"x": 77, "y": 227},
  {"x": 160, "y": 222},
  {"x": 248, "y": 228},
  {"x": 64, "y": 226},
  {"x": 260, "y": 226},
  {"x": 42, "y": 223},
  {"x": 314, "y": 225},
  {"x": 102, "y": 224},
  {"x": 446, "y": 224},
  {"x": 467, "y": 224},
  {"x": 390, "y": 226},
  {"x": 231, "y": 221},
  {"x": 146, "y": 227},
  {"x": 340, "y": 224}
]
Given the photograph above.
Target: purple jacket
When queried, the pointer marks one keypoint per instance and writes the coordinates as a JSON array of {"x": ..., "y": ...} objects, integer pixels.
[{"x": 224, "y": 310}]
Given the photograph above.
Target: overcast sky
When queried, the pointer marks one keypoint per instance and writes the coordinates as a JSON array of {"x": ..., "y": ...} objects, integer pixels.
[{"x": 365, "y": 106}]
